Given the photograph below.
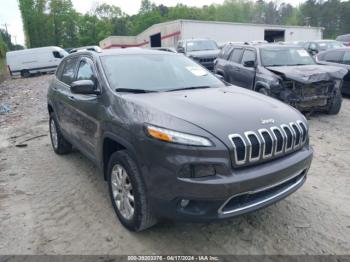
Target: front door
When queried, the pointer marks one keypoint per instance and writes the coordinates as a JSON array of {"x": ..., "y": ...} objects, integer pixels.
[{"x": 85, "y": 110}]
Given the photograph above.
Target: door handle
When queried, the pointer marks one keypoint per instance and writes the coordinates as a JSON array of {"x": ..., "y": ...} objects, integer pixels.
[{"x": 71, "y": 97}]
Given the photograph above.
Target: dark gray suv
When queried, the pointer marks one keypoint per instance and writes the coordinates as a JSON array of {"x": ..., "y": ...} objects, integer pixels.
[{"x": 172, "y": 140}]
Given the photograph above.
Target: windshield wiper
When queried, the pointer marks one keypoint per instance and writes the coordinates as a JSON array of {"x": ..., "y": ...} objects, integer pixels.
[
  {"x": 273, "y": 65},
  {"x": 188, "y": 88},
  {"x": 134, "y": 91}
]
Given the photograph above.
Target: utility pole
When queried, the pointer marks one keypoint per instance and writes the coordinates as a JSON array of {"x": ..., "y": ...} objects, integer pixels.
[{"x": 6, "y": 25}]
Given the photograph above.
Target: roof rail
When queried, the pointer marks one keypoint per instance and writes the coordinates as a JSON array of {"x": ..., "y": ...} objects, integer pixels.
[{"x": 96, "y": 49}]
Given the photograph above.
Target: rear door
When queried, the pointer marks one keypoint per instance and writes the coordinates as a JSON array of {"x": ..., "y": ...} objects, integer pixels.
[
  {"x": 346, "y": 63},
  {"x": 232, "y": 67},
  {"x": 246, "y": 74}
]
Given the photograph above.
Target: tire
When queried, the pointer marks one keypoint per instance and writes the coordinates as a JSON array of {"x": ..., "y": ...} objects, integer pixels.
[
  {"x": 25, "y": 73},
  {"x": 335, "y": 104},
  {"x": 263, "y": 91},
  {"x": 59, "y": 144},
  {"x": 141, "y": 217}
]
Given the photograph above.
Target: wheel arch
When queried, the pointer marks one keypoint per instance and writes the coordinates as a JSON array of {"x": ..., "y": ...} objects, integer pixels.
[{"x": 110, "y": 144}]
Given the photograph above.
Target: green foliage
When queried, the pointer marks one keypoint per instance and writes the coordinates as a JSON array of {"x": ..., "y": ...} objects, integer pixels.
[{"x": 55, "y": 22}]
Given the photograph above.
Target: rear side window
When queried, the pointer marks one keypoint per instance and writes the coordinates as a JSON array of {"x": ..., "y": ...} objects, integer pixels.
[
  {"x": 225, "y": 52},
  {"x": 236, "y": 55},
  {"x": 85, "y": 71},
  {"x": 68, "y": 71},
  {"x": 248, "y": 55},
  {"x": 333, "y": 56},
  {"x": 59, "y": 70},
  {"x": 346, "y": 58}
]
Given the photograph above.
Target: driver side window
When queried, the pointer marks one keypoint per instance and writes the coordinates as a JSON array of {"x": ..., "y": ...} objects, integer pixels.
[{"x": 85, "y": 71}]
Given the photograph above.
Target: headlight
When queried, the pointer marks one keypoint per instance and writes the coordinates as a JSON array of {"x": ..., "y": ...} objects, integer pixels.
[{"x": 177, "y": 137}]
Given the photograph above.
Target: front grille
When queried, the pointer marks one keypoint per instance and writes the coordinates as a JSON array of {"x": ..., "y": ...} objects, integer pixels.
[
  {"x": 268, "y": 143},
  {"x": 207, "y": 60},
  {"x": 314, "y": 89}
]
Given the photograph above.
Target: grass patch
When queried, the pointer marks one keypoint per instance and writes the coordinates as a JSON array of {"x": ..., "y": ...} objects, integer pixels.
[{"x": 3, "y": 70}]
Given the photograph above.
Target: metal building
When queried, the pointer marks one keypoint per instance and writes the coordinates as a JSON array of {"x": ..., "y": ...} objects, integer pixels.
[{"x": 167, "y": 34}]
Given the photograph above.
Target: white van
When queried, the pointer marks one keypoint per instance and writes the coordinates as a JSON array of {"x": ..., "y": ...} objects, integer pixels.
[{"x": 36, "y": 60}]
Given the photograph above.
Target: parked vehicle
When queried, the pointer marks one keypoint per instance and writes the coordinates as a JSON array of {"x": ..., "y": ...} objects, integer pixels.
[
  {"x": 337, "y": 57},
  {"x": 84, "y": 48},
  {"x": 165, "y": 49},
  {"x": 287, "y": 73},
  {"x": 345, "y": 39},
  {"x": 314, "y": 47},
  {"x": 203, "y": 51},
  {"x": 172, "y": 140},
  {"x": 35, "y": 60}
]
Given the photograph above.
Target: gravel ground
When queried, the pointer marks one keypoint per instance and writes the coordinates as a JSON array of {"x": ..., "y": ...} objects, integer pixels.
[{"x": 53, "y": 204}]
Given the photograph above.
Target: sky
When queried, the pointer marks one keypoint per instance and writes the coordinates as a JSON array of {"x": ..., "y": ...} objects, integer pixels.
[{"x": 10, "y": 14}]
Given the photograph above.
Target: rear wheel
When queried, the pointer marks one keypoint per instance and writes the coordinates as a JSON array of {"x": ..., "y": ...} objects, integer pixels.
[
  {"x": 59, "y": 144},
  {"x": 128, "y": 194},
  {"x": 335, "y": 104},
  {"x": 25, "y": 73}
]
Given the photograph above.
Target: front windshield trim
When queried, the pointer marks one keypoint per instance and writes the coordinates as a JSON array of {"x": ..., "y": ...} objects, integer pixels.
[{"x": 210, "y": 80}]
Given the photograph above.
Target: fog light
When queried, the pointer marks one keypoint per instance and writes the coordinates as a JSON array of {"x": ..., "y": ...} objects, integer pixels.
[
  {"x": 203, "y": 170},
  {"x": 184, "y": 202}
]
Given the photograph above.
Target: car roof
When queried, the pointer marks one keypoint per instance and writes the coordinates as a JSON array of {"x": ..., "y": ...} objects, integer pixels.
[
  {"x": 264, "y": 45},
  {"x": 122, "y": 51}
]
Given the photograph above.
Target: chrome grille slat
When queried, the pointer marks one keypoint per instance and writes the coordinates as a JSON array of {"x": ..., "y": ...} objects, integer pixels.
[
  {"x": 250, "y": 146},
  {"x": 238, "y": 161},
  {"x": 264, "y": 143},
  {"x": 304, "y": 131},
  {"x": 268, "y": 143},
  {"x": 287, "y": 136}
]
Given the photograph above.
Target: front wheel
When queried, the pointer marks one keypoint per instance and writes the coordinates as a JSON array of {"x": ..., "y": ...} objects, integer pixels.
[
  {"x": 335, "y": 104},
  {"x": 128, "y": 194}
]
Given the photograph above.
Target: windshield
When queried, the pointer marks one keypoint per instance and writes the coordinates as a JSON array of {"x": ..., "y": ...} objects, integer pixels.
[
  {"x": 160, "y": 72},
  {"x": 330, "y": 45},
  {"x": 285, "y": 56},
  {"x": 201, "y": 45}
]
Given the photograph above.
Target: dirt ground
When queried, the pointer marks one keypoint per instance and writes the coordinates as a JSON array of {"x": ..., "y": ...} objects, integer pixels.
[{"x": 53, "y": 204}]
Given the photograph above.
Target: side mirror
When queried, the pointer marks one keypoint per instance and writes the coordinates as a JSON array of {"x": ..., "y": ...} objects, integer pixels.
[
  {"x": 86, "y": 87},
  {"x": 249, "y": 64},
  {"x": 313, "y": 51}
]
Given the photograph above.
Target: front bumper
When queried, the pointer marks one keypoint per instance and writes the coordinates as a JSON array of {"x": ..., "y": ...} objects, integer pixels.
[{"x": 225, "y": 195}]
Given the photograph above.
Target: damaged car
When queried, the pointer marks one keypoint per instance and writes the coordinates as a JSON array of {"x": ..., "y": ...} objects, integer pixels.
[{"x": 287, "y": 73}]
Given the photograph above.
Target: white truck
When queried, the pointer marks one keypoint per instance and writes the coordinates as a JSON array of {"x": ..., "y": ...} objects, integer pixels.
[{"x": 35, "y": 60}]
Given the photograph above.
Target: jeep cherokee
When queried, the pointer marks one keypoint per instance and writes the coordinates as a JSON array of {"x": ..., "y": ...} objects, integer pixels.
[
  {"x": 285, "y": 72},
  {"x": 172, "y": 140},
  {"x": 203, "y": 51}
]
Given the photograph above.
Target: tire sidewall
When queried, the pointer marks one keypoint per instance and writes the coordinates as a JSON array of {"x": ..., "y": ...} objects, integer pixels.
[
  {"x": 123, "y": 159},
  {"x": 335, "y": 104},
  {"x": 52, "y": 118}
]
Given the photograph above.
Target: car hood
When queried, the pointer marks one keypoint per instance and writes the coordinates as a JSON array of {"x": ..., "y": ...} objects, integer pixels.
[
  {"x": 204, "y": 53},
  {"x": 219, "y": 111},
  {"x": 309, "y": 73}
]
